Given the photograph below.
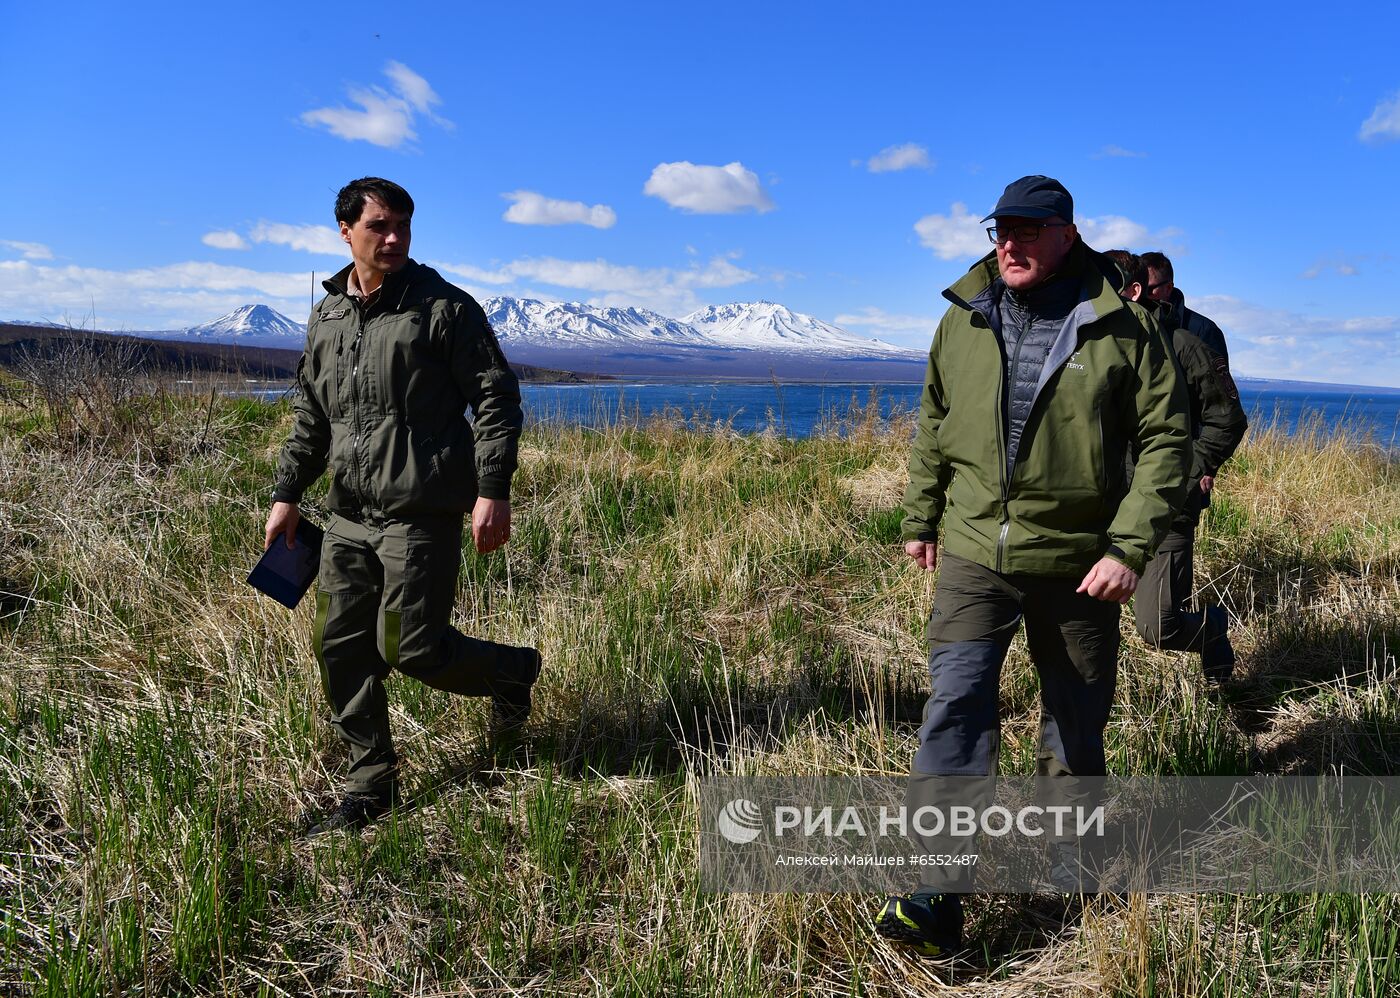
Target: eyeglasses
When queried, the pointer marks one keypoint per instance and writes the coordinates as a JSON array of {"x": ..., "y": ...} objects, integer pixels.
[
  {"x": 1160, "y": 284},
  {"x": 1028, "y": 232}
]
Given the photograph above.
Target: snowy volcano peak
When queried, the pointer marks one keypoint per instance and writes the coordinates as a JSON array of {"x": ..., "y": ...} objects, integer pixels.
[
  {"x": 767, "y": 325},
  {"x": 249, "y": 322},
  {"x": 527, "y": 320}
]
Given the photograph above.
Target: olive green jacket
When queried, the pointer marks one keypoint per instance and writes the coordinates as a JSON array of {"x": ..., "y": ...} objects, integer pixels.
[
  {"x": 383, "y": 394},
  {"x": 1109, "y": 388}
]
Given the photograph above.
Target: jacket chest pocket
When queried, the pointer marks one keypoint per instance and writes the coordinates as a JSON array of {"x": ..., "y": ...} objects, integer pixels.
[
  {"x": 403, "y": 354},
  {"x": 322, "y": 369}
]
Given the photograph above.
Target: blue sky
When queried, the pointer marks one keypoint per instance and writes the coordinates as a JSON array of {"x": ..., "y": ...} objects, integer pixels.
[{"x": 170, "y": 162}]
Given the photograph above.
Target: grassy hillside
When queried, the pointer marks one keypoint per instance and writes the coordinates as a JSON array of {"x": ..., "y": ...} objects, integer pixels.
[
  {"x": 165, "y": 359},
  {"x": 705, "y": 602}
]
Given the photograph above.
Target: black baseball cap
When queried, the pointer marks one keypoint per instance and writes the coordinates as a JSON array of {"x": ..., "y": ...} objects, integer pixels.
[{"x": 1034, "y": 197}]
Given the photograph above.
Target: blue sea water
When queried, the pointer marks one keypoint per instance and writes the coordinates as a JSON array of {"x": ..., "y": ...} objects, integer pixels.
[{"x": 798, "y": 409}]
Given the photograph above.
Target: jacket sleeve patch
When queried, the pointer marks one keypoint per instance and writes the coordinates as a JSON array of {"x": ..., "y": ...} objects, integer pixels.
[{"x": 1222, "y": 372}]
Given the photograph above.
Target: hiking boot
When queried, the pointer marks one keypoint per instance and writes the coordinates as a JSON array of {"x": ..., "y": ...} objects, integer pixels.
[
  {"x": 1217, "y": 654},
  {"x": 1068, "y": 873},
  {"x": 355, "y": 811},
  {"x": 510, "y": 701},
  {"x": 929, "y": 928}
]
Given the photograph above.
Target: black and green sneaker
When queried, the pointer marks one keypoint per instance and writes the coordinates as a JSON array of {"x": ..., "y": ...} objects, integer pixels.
[{"x": 929, "y": 928}]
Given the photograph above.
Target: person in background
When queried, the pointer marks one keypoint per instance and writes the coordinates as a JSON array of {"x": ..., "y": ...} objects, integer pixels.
[
  {"x": 1218, "y": 423},
  {"x": 1161, "y": 287}
]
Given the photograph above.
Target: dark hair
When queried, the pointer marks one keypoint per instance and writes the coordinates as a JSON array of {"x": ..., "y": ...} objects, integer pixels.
[
  {"x": 1158, "y": 262},
  {"x": 350, "y": 202},
  {"x": 1130, "y": 264}
]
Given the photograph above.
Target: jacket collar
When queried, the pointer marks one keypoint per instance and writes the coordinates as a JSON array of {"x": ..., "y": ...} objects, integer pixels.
[
  {"x": 394, "y": 288},
  {"x": 979, "y": 285}
]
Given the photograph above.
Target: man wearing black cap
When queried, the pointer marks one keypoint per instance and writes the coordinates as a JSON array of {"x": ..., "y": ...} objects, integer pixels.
[{"x": 1041, "y": 380}]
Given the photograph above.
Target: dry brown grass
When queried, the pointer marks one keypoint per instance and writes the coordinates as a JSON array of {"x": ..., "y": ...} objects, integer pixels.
[{"x": 705, "y": 603}]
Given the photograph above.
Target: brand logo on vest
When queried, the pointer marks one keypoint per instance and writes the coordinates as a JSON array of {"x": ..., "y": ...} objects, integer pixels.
[{"x": 1074, "y": 364}]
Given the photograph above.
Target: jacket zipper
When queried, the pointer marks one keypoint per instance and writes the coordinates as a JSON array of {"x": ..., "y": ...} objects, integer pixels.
[
  {"x": 357, "y": 430},
  {"x": 1103, "y": 452},
  {"x": 1004, "y": 424}
]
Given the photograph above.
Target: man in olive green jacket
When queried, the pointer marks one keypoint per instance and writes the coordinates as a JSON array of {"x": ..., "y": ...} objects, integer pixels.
[
  {"x": 1218, "y": 423},
  {"x": 1041, "y": 380},
  {"x": 394, "y": 356}
]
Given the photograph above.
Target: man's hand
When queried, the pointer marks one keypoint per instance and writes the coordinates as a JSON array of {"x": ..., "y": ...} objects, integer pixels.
[
  {"x": 1207, "y": 483},
  {"x": 925, "y": 555},
  {"x": 490, "y": 524},
  {"x": 282, "y": 520},
  {"x": 1110, "y": 581}
]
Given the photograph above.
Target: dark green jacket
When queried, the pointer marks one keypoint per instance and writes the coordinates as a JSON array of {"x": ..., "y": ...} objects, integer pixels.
[
  {"x": 1218, "y": 422},
  {"x": 383, "y": 395},
  {"x": 1108, "y": 388}
]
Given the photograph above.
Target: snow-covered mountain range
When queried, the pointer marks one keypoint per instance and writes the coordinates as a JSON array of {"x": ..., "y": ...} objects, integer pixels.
[
  {"x": 760, "y": 325},
  {"x": 36, "y": 323},
  {"x": 763, "y": 325},
  {"x": 742, "y": 339},
  {"x": 555, "y": 324}
]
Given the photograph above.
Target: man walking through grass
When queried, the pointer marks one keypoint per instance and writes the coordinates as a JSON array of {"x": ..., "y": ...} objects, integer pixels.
[
  {"x": 394, "y": 356},
  {"x": 1041, "y": 380},
  {"x": 1161, "y": 607}
]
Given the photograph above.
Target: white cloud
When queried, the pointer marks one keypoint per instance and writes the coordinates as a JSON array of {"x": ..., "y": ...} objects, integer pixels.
[
  {"x": 224, "y": 239},
  {"x": 668, "y": 290},
  {"x": 904, "y": 330},
  {"x": 1117, "y": 232},
  {"x": 1384, "y": 123},
  {"x": 414, "y": 89},
  {"x": 904, "y": 157},
  {"x": 1113, "y": 232},
  {"x": 601, "y": 275},
  {"x": 1118, "y": 152},
  {"x": 384, "y": 119},
  {"x": 1275, "y": 343},
  {"x": 1339, "y": 264},
  {"x": 529, "y": 208},
  {"x": 871, "y": 317},
  {"x": 167, "y": 297},
  {"x": 956, "y": 234},
  {"x": 30, "y": 251},
  {"x": 320, "y": 239},
  {"x": 708, "y": 190}
]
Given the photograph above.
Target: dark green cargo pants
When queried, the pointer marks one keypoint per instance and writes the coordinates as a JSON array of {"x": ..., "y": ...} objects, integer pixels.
[
  {"x": 384, "y": 602},
  {"x": 1073, "y": 640},
  {"x": 1160, "y": 604}
]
